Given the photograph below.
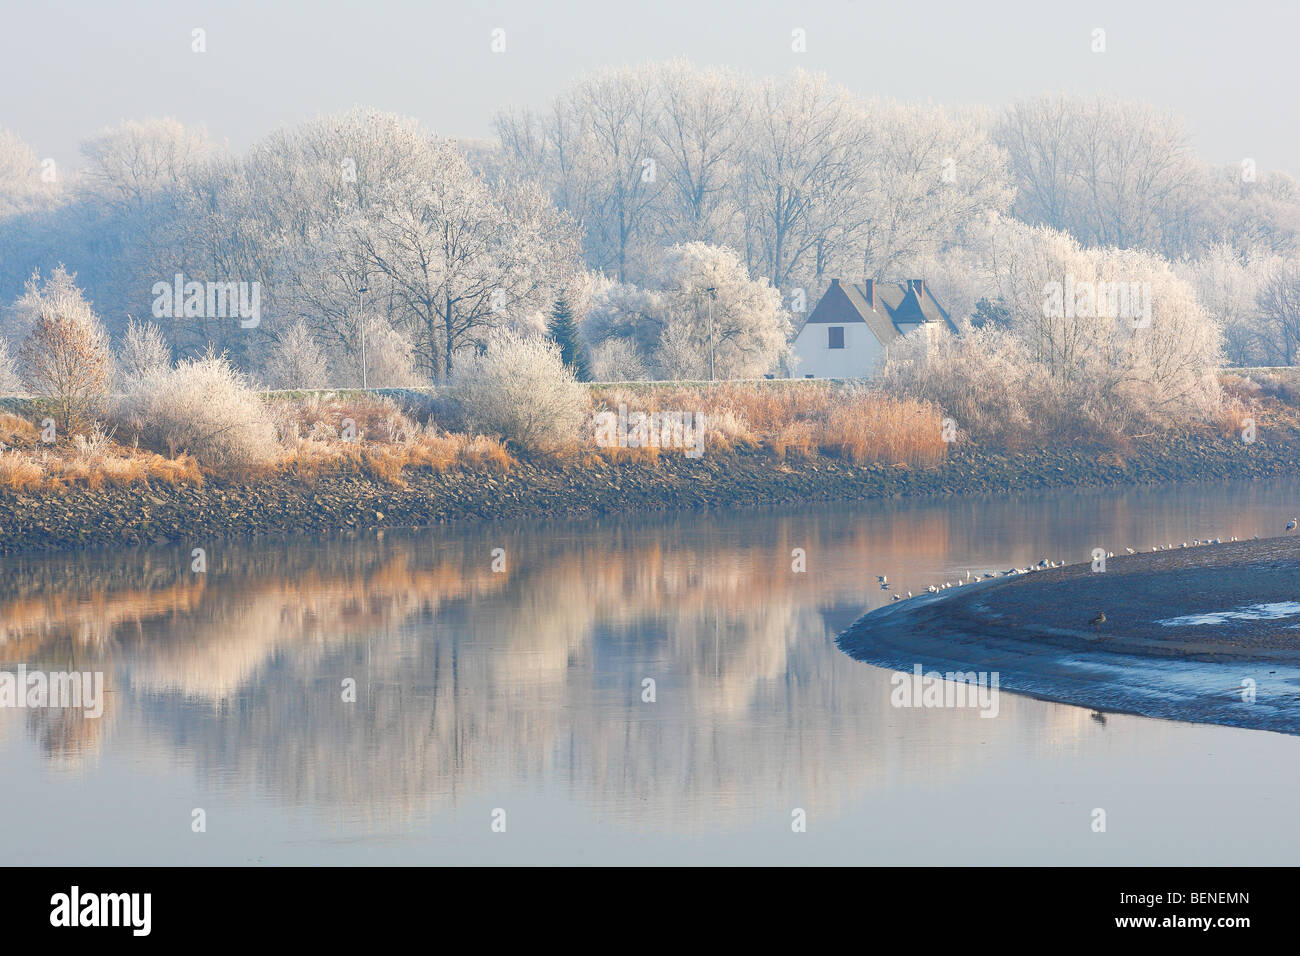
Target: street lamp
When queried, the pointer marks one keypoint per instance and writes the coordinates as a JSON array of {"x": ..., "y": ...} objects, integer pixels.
[
  {"x": 362, "y": 293},
  {"x": 713, "y": 294}
]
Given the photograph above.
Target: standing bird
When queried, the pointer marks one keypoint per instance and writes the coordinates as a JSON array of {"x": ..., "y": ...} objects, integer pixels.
[
  {"x": 884, "y": 582},
  {"x": 1098, "y": 621},
  {"x": 1291, "y": 525}
]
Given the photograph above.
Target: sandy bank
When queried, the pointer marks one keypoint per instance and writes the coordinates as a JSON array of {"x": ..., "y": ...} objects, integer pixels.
[{"x": 1231, "y": 616}]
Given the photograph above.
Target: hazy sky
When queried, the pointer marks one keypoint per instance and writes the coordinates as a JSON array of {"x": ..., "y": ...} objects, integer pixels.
[{"x": 70, "y": 68}]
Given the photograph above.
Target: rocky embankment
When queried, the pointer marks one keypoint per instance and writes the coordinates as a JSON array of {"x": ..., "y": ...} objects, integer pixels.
[{"x": 79, "y": 517}]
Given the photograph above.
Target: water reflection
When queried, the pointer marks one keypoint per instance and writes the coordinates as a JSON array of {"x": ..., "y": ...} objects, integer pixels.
[{"x": 471, "y": 681}]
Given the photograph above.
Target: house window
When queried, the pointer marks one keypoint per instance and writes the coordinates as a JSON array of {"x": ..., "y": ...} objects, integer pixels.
[{"x": 836, "y": 336}]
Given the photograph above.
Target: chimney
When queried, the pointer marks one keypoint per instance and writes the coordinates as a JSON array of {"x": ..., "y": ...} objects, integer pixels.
[
  {"x": 869, "y": 288},
  {"x": 917, "y": 286}
]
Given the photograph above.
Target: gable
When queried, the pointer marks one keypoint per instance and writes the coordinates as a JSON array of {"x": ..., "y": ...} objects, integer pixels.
[{"x": 845, "y": 303}]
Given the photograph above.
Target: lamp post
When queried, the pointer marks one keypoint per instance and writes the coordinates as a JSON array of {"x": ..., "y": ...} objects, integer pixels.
[
  {"x": 713, "y": 294},
  {"x": 362, "y": 294}
]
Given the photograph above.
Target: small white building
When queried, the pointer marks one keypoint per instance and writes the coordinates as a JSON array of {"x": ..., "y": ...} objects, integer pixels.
[{"x": 847, "y": 333}]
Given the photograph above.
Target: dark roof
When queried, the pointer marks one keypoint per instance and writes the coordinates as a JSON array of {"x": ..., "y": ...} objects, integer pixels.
[{"x": 888, "y": 308}]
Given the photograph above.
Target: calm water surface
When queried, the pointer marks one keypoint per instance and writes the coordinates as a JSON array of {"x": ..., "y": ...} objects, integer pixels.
[{"x": 523, "y": 691}]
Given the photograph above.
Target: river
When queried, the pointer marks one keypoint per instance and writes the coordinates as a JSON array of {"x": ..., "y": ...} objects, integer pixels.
[{"x": 644, "y": 690}]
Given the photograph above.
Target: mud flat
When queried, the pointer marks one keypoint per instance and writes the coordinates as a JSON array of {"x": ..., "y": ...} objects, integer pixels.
[{"x": 1207, "y": 633}]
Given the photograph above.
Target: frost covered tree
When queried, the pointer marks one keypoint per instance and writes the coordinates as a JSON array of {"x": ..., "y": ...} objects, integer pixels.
[
  {"x": 127, "y": 165},
  {"x": 10, "y": 382},
  {"x": 462, "y": 256},
  {"x": 617, "y": 360},
  {"x": 596, "y": 153},
  {"x": 65, "y": 353},
  {"x": 1228, "y": 284},
  {"x": 202, "y": 407},
  {"x": 803, "y": 159},
  {"x": 1279, "y": 307},
  {"x": 143, "y": 350},
  {"x": 21, "y": 187},
  {"x": 1111, "y": 172},
  {"x": 717, "y": 322},
  {"x": 296, "y": 361},
  {"x": 1120, "y": 335}
]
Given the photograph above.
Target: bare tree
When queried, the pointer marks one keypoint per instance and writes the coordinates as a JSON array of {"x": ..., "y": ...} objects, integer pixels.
[{"x": 1279, "y": 306}]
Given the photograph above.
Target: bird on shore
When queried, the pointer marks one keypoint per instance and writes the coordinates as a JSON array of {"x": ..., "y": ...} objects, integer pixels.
[
  {"x": 1099, "y": 620},
  {"x": 1290, "y": 525},
  {"x": 1130, "y": 551},
  {"x": 882, "y": 579},
  {"x": 932, "y": 589},
  {"x": 898, "y": 597}
]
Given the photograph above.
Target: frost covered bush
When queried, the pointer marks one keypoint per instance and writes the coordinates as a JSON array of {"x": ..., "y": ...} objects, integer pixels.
[
  {"x": 617, "y": 360},
  {"x": 10, "y": 383},
  {"x": 202, "y": 407},
  {"x": 1122, "y": 339},
  {"x": 143, "y": 350},
  {"x": 520, "y": 388},
  {"x": 296, "y": 361},
  {"x": 983, "y": 380}
]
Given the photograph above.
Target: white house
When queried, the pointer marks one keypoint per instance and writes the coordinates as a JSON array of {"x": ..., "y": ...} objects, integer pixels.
[{"x": 847, "y": 333}]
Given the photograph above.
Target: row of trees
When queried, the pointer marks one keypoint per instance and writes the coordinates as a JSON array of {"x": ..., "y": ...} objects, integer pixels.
[
  {"x": 357, "y": 228},
  {"x": 683, "y": 218},
  {"x": 801, "y": 177}
]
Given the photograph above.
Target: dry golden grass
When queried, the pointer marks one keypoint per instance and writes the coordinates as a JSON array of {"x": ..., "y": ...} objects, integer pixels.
[
  {"x": 18, "y": 432},
  {"x": 326, "y": 435},
  {"x": 18, "y": 472},
  {"x": 386, "y": 461},
  {"x": 113, "y": 467},
  {"x": 800, "y": 420}
]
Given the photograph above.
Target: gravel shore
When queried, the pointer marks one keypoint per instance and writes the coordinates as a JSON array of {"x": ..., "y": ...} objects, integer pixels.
[{"x": 544, "y": 487}]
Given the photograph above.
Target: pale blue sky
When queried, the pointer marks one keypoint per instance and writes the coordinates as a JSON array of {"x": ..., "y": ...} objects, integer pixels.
[{"x": 69, "y": 68}]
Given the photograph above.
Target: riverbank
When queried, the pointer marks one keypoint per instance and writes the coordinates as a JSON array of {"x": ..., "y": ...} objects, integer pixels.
[
  {"x": 543, "y": 486},
  {"x": 1207, "y": 633}
]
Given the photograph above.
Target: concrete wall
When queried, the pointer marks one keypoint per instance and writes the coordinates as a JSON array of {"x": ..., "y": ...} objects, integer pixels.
[{"x": 859, "y": 358}]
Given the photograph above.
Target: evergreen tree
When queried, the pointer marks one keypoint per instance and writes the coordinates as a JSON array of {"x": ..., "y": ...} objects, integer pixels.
[{"x": 564, "y": 331}]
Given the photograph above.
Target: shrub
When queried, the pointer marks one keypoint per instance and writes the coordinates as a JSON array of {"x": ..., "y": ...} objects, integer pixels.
[
  {"x": 202, "y": 407},
  {"x": 144, "y": 350},
  {"x": 617, "y": 360},
  {"x": 520, "y": 388},
  {"x": 984, "y": 380},
  {"x": 10, "y": 383},
  {"x": 296, "y": 361},
  {"x": 18, "y": 472}
]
